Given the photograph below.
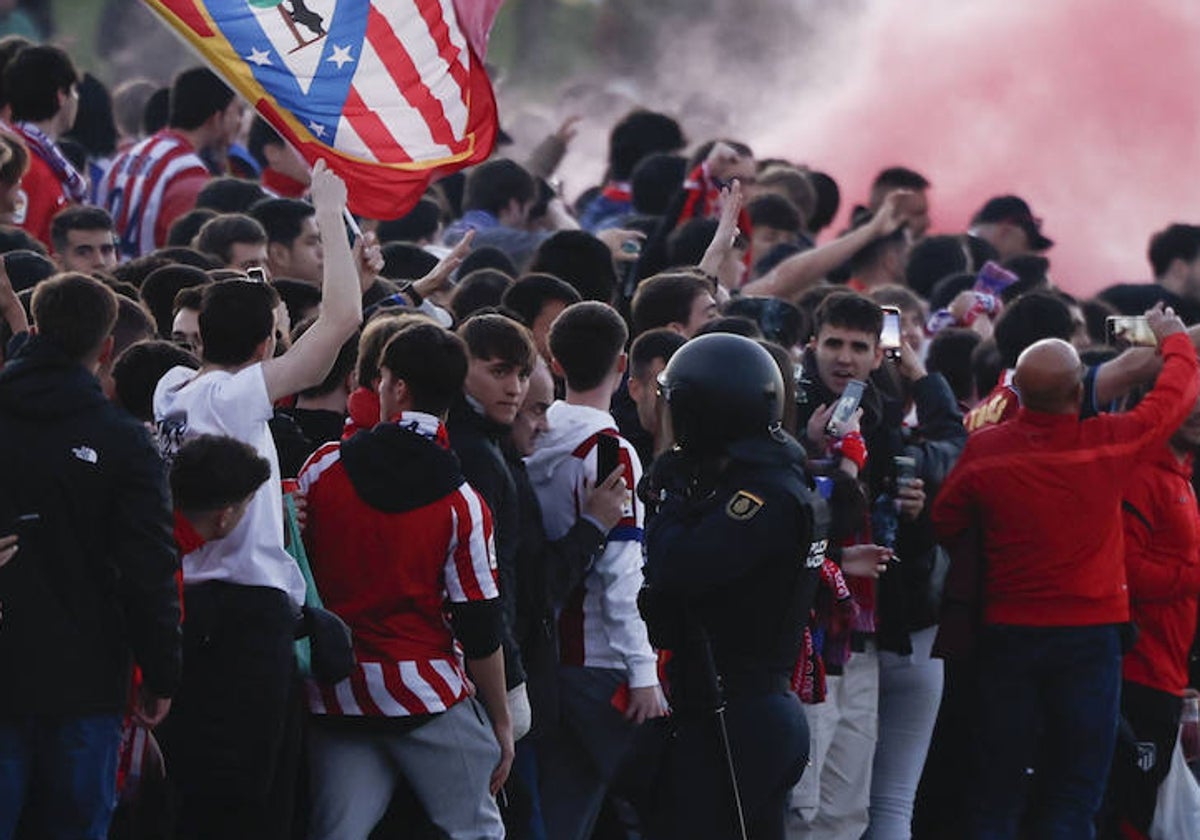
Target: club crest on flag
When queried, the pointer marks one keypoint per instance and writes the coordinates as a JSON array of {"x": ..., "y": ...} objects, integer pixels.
[{"x": 390, "y": 93}]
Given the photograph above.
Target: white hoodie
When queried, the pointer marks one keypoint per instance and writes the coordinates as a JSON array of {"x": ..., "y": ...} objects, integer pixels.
[{"x": 599, "y": 624}]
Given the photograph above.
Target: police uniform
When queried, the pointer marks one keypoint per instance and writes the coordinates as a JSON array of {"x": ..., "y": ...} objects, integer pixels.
[{"x": 732, "y": 565}]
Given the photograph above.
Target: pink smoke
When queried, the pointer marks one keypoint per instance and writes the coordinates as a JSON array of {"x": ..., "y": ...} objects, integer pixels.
[{"x": 1088, "y": 109}]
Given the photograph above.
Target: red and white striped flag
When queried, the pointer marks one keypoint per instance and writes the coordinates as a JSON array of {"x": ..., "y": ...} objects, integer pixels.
[{"x": 389, "y": 92}]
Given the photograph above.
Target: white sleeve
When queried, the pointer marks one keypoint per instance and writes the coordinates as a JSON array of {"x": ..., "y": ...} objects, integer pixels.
[
  {"x": 620, "y": 571},
  {"x": 243, "y": 396}
]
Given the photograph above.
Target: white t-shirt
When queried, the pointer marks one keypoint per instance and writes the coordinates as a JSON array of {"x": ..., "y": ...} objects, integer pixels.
[{"x": 235, "y": 405}]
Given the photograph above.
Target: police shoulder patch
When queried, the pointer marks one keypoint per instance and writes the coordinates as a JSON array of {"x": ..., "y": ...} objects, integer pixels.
[{"x": 743, "y": 505}]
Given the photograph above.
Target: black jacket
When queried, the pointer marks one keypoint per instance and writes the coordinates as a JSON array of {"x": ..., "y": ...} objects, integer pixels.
[
  {"x": 94, "y": 578},
  {"x": 476, "y": 441},
  {"x": 547, "y": 572},
  {"x": 909, "y": 595},
  {"x": 732, "y": 558}
]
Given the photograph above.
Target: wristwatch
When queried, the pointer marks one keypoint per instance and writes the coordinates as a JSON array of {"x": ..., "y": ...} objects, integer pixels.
[{"x": 409, "y": 291}]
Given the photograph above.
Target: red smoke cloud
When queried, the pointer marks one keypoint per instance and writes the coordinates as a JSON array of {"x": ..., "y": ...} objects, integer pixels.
[{"x": 1089, "y": 109}]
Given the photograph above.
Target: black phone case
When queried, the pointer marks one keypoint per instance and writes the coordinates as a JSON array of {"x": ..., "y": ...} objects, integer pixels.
[{"x": 607, "y": 456}]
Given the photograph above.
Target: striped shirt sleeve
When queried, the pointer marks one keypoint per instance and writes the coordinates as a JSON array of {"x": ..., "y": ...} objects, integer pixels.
[{"x": 470, "y": 570}]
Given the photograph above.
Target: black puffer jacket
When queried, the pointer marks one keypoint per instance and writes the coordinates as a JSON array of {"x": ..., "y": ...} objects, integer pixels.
[{"x": 94, "y": 578}]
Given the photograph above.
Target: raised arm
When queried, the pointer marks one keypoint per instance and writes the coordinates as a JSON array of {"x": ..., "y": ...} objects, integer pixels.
[
  {"x": 796, "y": 274},
  {"x": 312, "y": 356}
]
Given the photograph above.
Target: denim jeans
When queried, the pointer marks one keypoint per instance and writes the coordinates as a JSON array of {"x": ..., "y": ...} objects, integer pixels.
[
  {"x": 66, "y": 768},
  {"x": 1048, "y": 699},
  {"x": 910, "y": 689}
]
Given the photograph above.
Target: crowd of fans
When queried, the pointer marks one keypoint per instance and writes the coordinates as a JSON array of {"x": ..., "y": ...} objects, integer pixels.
[{"x": 403, "y": 467}]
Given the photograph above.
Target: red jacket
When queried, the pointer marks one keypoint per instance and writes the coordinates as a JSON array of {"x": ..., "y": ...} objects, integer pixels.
[
  {"x": 397, "y": 540},
  {"x": 1045, "y": 490},
  {"x": 45, "y": 197},
  {"x": 1162, "y": 561}
]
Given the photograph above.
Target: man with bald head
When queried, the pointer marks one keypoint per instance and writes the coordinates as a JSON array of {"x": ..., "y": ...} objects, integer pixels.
[
  {"x": 1043, "y": 491},
  {"x": 1049, "y": 377}
]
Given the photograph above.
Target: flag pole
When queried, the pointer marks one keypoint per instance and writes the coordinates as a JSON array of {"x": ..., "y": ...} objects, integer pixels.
[{"x": 351, "y": 223}]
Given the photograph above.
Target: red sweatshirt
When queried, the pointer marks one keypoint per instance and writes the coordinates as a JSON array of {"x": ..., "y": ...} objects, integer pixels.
[
  {"x": 1045, "y": 490},
  {"x": 1162, "y": 560}
]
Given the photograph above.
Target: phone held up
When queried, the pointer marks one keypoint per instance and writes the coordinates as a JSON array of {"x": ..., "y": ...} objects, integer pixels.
[
  {"x": 845, "y": 407},
  {"x": 1129, "y": 331},
  {"x": 889, "y": 338}
]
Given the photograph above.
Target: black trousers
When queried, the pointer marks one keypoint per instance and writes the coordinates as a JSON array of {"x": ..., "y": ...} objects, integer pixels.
[
  {"x": 232, "y": 740},
  {"x": 1142, "y": 758},
  {"x": 768, "y": 739}
]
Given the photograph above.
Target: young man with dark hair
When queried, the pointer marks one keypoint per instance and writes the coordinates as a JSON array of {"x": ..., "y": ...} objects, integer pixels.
[
  {"x": 284, "y": 173},
  {"x": 879, "y": 263},
  {"x": 185, "y": 320},
  {"x": 915, "y": 205},
  {"x": 82, "y": 239},
  {"x": 500, "y": 356},
  {"x": 607, "y": 677},
  {"x": 579, "y": 259},
  {"x": 499, "y": 195},
  {"x": 133, "y": 324},
  {"x": 293, "y": 241},
  {"x": 421, "y": 225},
  {"x": 648, "y": 357},
  {"x": 679, "y": 301},
  {"x": 1007, "y": 223},
  {"x": 538, "y": 299},
  {"x": 362, "y": 407},
  {"x": 237, "y": 240},
  {"x": 872, "y": 732},
  {"x": 775, "y": 221},
  {"x": 92, "y": 589},
  {"x": 183, "y": 230},
  {"x": 213, "y": 479},
  {"x": 408, "y": 711},
  {"x": 246, "y": 586},
  {"x": 158, "y": 180},
  {"x": 638, "y": 134},
  {"x": 136, "y": 373},
  {"x": 656, "y": 179},
  {"x": 41, "y": 85},
  {"x": 229, "y": 194}
]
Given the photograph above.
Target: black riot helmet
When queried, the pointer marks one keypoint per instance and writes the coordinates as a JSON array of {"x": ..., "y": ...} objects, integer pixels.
[{"x": 722, "y": 388}]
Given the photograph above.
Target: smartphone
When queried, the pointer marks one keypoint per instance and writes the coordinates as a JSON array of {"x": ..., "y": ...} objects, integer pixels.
[
  {"x": 256, "y": 274},
  {"x": 845, "y": 408},
  {"x": 1129, "y": 331},
  {"x": 608, "y": 451},
  {"x": 889, "y": 339}
]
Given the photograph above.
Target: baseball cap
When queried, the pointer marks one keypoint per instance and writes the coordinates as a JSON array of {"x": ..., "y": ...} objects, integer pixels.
[{"x": 1014, "y": 210}]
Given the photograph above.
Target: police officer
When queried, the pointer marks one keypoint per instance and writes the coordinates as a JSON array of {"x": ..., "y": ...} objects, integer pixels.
[{"x": 732, "y": 560}]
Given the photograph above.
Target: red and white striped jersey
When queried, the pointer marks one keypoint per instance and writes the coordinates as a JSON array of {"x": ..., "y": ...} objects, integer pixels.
[
  {"x": 599, "y": 623},
  {"x": 390, "y": 575},
  {"x": 132, "y": 191}
]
